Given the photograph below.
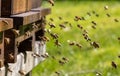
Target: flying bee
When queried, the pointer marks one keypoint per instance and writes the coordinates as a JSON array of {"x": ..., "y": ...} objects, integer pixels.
[
  {"x": 79, "y": 26},
  {"x": 60, "y": 18},
  {"x": 85, "y": 31},
  {"x": 54, "y": 35},
  {"x": 44, "y": 38},
  {"x": 46, "y": 55},
  {"x": 21, "y": 72},
  {"x": 116, "y": 20},
  {"x": 72, "y": 43},
  {"x": 93, "y": 22},
  {"x": 11, "y": 56},
  {"x": 61, "y": 62},
  {"x": 97, "y": 15},
  {"x": 52, "y": 25},
  {"x": 51, "y": 2},
  {"x": 7, "y": 40},
  {"x": 98, "y": 73},
  {"x": 16, "y": 32},
  {"x": 82, "y": 18},
  {"x": 65, "y": 59},
  {"x": 118, "y": 38},
  {"x": 77, "y": 18},
  {"x": 65, "y": 22},
  {"x": 108, "y": 15},
  {"x": 106, "y": 7},
  {"x": 88, "y": 13},
  {"x": 94, "y": 44},
  {"x": 53, "y": 57},
  {"x": 114, "y": 65},
  {"x": 93, "y": 12},
  {"x": 57, "y": 43},
  {"x": 94, "y": 27},
  {"x": 78, "y": 45},
  {"x": 62, "y": 26},
  {"x": 58, "y": 73},
  {"x": 51, "y": 19},
  {"x": 118, "y": 56}
]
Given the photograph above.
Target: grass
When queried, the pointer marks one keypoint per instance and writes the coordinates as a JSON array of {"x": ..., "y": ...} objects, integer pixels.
[{"x": 86, "y": 61}]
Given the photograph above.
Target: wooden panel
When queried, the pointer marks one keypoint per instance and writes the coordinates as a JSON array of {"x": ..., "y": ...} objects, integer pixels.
[
  {"x": 1, "y": 49},
  {"x": 43, "y": 11},
  {"x": 36, "y": 3},
  {"x": 10, "y": 47},
  {"x": 25, "y": 18},
  {"x": 5, "y": 24},
  {"x": 13, "y": 7}
]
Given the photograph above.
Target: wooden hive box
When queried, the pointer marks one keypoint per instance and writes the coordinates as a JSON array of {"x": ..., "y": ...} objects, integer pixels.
[
  {"x": 5, "y": 24},
  {"x": 12, "y": 7},
  {"x": 33, "y": 4}
]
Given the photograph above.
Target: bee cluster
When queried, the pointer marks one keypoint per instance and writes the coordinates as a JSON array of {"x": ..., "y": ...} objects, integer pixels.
[
  {"x": 85, "y": 33},
  {"x": 22, "y": 36}
]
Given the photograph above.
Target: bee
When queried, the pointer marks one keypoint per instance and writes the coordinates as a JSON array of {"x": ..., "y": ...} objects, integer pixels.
[
  {"x": 46, "y": 55},
  {"x": 118, "y": 56},
  {"x": 72, "y": 43},
  {"x": 88, "y": 13},
  {"x": 60, "y": 18},
  {"x": 28, "y": 33},
  {"x": 44, "y": 38},
  {"x": 52, "y": 25},
  {"x": 70, "y": 25},
  {"x": 78, "y": 45},
  {"x": 65, "y": 59},
  {"x": 97, "y": 15},
  {"x": 51, "y": 19},
  {"x": 51, "y": 2},
  {"x": 118, "y": 38},
  {"x": 57, "y": 43},
  {"x": 85, "y": 31},
  {"x": 54, "y": 35},
  {"x": 36, "y": 54},
  {"x": 7, "y": 40},
  {"x": 106, "y": 7},
  {"x": 53, "y": 57},
  {"x": 82, "y": 18},
  {"x": 34, "y": 26},
  {"x": 77, "y": 18},
  {"x": 9, "y": 70},
  {"x": 58, "y": 73},
  {"x": 93, "y": 12},
  {"x": 94, "y": 27},
  {"x": 79, "y": 26},
  {"x": 114, "y": 65},
  {"x": 62, "y": 26},
  {"x": 61, "y": 62},
  {"x": 108, "y": 15},
  {"x": 16, "y": 32},
  {"x": 93, "y": 22},
  {"x": 116, "y": 20},
  {"x": 21, "y": 72},
  {"x": 65, "y": 22},
  {"x": 11, "y": 56},
  {"x": 98, "y": 74},
  {"x": 96, "y": 45}
]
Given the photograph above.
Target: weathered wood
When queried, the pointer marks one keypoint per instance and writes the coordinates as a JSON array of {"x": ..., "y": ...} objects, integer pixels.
[
  {"x": 25, "y": 18},
  {"x": 1, "y": 49},
  {"x": 10, "y": 7},
  {"x": 36, "y": 3},
  {"x": 43, "y": 11},
  {"x": 10, "y": 47},
  {"x": 5, "y": 24}
]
